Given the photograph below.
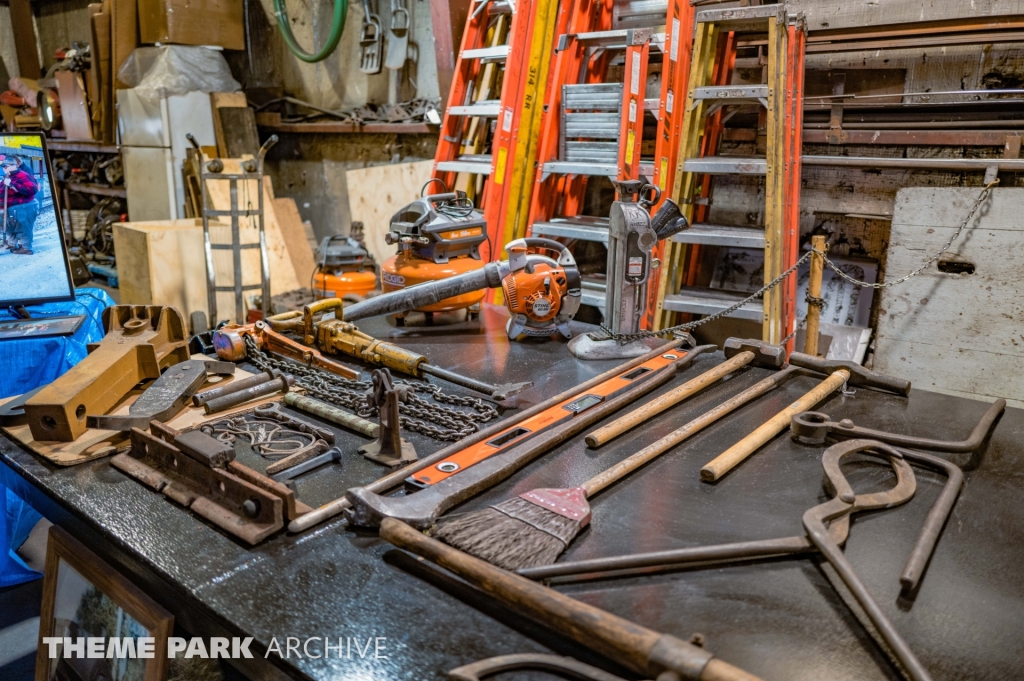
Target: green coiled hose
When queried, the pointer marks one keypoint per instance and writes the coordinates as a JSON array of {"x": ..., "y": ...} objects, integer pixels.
[{"x": 337, "y": 26}]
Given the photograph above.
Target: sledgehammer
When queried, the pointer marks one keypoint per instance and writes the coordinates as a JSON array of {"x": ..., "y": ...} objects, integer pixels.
[{"x": 839, "y": 373}]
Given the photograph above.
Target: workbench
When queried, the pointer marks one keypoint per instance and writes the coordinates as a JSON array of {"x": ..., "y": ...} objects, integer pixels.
[{"x": 778, "y": 618}]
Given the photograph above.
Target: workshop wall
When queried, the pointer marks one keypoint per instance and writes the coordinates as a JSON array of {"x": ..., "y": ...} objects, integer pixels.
[{"x": 8, "y": 57}]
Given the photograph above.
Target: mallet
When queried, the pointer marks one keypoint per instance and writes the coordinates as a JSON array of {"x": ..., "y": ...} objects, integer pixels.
[
  {"x": 839, "y": 373},
  {"x": 739, "y": 352}
]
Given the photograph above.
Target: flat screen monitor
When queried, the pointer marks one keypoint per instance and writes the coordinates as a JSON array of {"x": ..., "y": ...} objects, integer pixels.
[{"x": 34, "y": 264}]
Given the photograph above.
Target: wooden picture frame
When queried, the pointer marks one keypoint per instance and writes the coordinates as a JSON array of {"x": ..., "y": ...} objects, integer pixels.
[{"x": 79, "y": 582}]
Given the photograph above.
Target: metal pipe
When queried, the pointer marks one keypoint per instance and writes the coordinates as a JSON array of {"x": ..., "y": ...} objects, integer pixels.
[
  {"x": 281, "y": 383},
  {"x": 979, "y": 164},
  {"x": 200, "y": 399},
  {"x": 331, "y": 413},
  {"x": 494, "y": 391}
]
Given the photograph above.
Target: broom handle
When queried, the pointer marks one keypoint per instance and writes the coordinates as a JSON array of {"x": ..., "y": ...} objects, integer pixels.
[
  {"x": 669, "y": 399},
  {"x": 640, "y": 649},
  {"x": 653, "y": 450},
  {"x": 733, "y": 456},
  {"x": 395, "y": 478}
]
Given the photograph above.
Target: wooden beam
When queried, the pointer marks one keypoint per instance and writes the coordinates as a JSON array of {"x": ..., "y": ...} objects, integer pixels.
[
  {"x": 449, "y": 20},
  {"x": 25, "y": 39}
]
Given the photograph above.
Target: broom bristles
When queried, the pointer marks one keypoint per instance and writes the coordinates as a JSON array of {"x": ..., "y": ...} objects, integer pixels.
[{"x": 513, "y": 535}]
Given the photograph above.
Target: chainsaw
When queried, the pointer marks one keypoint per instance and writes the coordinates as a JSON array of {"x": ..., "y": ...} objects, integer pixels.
[{"x": 540, "y": 282}]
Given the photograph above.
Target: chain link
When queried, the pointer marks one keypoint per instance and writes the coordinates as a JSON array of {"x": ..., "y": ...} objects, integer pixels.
[
  {"x": 432, "y": 419},
  {"x": 608, "y": 334}
]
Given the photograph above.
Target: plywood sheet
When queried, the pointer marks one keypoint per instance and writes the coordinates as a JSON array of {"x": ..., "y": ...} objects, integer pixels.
[
  {"x": 835, "y": 14},
  {"x": 961, "y": 334},
  {"x": 74, "y": 107},
  {"x": 224, "y": 99},
  {"x": 378, "y": 192},
  {"x": 295, "y": 238}
]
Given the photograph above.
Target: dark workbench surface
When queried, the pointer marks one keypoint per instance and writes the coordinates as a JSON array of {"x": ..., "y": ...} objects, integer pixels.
[{"x": 780, "y": 618}]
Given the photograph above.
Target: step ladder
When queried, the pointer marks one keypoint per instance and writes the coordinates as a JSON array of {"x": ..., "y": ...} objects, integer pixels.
[
  {"x": 710, "y": 92},
  {"x": 489, "y": 129},
  {"x": 591, "y": 127}
]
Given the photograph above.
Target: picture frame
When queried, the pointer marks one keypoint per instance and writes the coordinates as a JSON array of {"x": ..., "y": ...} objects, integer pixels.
[{"x": 83, "y": 593}]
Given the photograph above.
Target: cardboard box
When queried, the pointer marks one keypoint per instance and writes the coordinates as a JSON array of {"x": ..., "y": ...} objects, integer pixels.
[{"x": 193, "y": 22}]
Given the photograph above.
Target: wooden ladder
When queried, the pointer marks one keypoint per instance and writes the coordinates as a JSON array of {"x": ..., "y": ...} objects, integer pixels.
[{"x": 709, "y": 92}]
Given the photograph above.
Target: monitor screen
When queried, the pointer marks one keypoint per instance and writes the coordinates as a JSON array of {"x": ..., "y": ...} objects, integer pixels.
[{"x": 33, "y": 259}]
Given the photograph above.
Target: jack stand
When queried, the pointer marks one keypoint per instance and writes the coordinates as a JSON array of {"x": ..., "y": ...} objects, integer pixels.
[
  {"x": 390, "y": 449},
  {"x": 632, "y": 235}
]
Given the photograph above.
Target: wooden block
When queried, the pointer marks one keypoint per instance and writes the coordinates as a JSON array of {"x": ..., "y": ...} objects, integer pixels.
[
  {"x": 378, "y": 192},
  {"x": 124, "y": 31},
  {"x": 295, "y": 238},
  {"x": 225, "y": 99},
  {"x": 101, "y": 65},
  {"x": 238, "y": 135},
  {"x": 74, "y": 110},
  {"x": 953, "y": 333}
]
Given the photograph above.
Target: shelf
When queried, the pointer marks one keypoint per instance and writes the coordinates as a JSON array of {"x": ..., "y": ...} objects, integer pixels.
[
  {"x": 87, "y": 147},
  {"x": 98, "y": 189}
]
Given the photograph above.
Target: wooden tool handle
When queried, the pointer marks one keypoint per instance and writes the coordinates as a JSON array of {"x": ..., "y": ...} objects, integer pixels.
[
  {"x": 655, "y": 449},
  {"x": 669, "y": 399},
  {"x": 618, "y": 639},
  {"x": 731, "y": 457}
]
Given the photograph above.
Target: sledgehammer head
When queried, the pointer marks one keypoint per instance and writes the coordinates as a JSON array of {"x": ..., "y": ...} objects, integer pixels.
[
  {"x": 765, "y": 354},
  {"x": 859, "y": 376}
]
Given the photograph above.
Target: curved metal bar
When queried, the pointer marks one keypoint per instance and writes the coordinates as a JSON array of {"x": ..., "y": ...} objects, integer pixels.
[{"x": 563, "y": 666}]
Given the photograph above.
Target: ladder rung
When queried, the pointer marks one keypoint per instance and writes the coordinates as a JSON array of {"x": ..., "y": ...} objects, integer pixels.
[
  {"x": 596, "y": 125},
  {"x": 231, "y": 289},
  {"x": 489, "y": 108},
  {"x": 581, "y": 227},
  {"x": 581, "y": 168},
  {"x": 640, "y": 13},
  {"x": 726, "y": 165},
  {"x": 598, "y": 152},
  {"x": 230, "y": 247},
  {"x": 732, "y": 92},
  {"x": 711, "y": 301},
  {"x": 600, "y": 96},
  {"x": 593, "y": 293},
  {"x": 240, "y": 212},
  {"x": 722, "y": 235},
  {"x": 741, "y": 18},
  {"x": 497, "y": 52},
  {"x": 476, "y": 164}
]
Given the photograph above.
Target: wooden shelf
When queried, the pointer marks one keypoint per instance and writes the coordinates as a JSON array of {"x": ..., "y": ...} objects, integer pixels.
[
  {"x": 101, "y": 190},
  {"x": 271, "y": 122},
  {"x": 87, "y": 147}
]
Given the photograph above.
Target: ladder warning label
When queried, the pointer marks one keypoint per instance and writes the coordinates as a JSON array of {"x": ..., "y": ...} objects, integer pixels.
[
  {"x": 634, "y": 84},
  {"x": 670, "y": 99},
  {"x": 506, "y": 124},
  {"x": 674, "y": 48},
  {"x": 499, "y": 167}
]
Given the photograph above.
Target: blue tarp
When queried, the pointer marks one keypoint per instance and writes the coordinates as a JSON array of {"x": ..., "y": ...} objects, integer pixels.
[{"x": 26, "y": 364}]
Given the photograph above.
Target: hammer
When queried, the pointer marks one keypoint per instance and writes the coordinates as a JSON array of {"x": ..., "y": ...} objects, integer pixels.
[
  {"x": 739, "y": 352},
  {"x": 839, "y": 373}
]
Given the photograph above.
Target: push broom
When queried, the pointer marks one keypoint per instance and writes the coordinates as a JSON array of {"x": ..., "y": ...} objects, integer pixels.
[{"x": 535, "y": 527}]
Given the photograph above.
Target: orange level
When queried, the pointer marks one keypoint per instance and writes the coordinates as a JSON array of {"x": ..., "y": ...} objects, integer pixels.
[{"x": 520, "y": 432}]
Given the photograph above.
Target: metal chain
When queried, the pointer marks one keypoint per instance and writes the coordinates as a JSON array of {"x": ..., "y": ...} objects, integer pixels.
[
  {"x": 415, "y": 413},
  {"x": 631, "y": 337}
]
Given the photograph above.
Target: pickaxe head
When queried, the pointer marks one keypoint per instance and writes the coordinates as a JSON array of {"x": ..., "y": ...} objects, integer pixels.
[{"x": 765, "y": 354}]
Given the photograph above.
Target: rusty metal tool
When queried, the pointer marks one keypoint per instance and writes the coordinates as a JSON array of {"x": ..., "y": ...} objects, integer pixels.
[
  {"x": 229, "y": 342},
  {"x": 166, "y": 397},
  {"x": 509, "y": 425},
  {"x": 201, "y": 398},
  {"x": 200, "y": 473},
  {"x": 390, "y": 448},
  {"x": 331, "y": 413},
  {"x": 421, "y": 509},
  {"x": 562, "y": 666},
  {"x": 140, "y": 341},
  {"x": 281, "y": 383},
  {"x": 332, "y": 455},
  {"x": 812, "y": 427},
  {"x": 739, "y": 353},
  {"x": 635, "y": 647},
  {"x": 839, "y": 374},
  {"x": 823, "y": 533}
]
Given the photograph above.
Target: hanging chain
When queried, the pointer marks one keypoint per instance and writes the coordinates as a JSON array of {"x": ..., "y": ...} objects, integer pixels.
[
  {"x": 433, "y": 419},
  {"x": 608, "y": 334}
]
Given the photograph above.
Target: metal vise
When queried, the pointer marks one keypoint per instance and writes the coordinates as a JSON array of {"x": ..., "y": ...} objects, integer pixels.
[{"x": 140, "y": 341}]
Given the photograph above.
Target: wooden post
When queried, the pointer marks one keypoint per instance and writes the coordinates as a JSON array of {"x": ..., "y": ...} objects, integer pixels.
[
  {"x": 814, "y": 292},
  {"x": 25, "y": 39},
  {"x": 449, "y": 20}
]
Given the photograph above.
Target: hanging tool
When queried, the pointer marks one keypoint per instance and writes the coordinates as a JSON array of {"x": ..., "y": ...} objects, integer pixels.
[
  {"x": 390, "y": 449},
  {"x": 840, "y": 373},
  {"x": 398, "y": 35},
  {"x": 338, "y": 17},
  {"x": 343, "y": 267},
  {"x": 540, "y": 283},
  {"x": 447, "y": 485},
  {"x": 825, "y": 538},
  {"x": 140, "y": 341},
  {"x": 562, "y": 666},
  {"x": 371, "y": 39},
  {"x": 338, "y": 336},
  {"x": 504, "y": 427},
  {"x": 632, "y": 236},
  {"x": 738, "y": 353},
  {"x": 438, "y": 237},
  {"x": 641, "y": 650},
  {"x": 199, "y": 472},
  {"x": 166, "y": 397}
]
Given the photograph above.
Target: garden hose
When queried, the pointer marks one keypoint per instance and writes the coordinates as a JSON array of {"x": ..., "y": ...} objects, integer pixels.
[{"x": 337, "y": 26}]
